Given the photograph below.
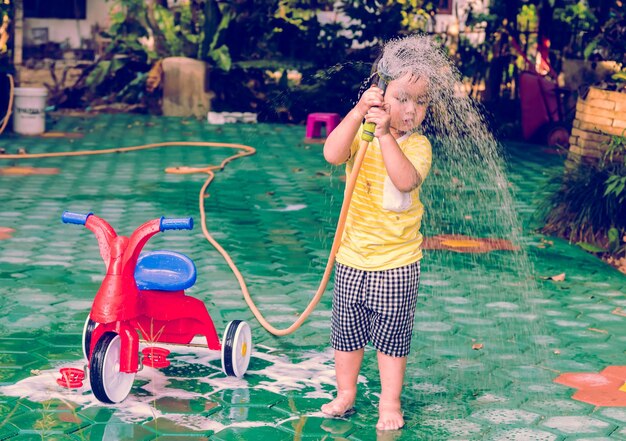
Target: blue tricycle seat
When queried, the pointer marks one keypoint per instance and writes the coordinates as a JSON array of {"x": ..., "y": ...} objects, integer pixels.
[{"x": 164, "y": 271}]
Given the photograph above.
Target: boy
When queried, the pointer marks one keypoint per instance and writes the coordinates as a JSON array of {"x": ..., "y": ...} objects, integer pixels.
[{"x": 378, "y": 268}]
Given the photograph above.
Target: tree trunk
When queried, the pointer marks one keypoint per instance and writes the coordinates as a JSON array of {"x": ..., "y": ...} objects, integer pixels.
[{"x": 160, "y": 45}]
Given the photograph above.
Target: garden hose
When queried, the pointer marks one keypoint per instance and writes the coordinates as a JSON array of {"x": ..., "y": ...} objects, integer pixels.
[
  {"x": 7, "y": 115},
  {"x": 210, "y": 170}
]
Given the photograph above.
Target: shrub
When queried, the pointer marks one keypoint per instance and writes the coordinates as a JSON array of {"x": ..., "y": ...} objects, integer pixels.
[{"x": 589, "y": 206}]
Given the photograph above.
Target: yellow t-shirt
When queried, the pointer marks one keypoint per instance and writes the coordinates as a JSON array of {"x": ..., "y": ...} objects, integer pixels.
[{"x": 383, "y": 224}]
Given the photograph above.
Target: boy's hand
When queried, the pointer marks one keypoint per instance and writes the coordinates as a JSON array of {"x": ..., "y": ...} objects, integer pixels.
[
  {"x": 372, "y": 97},
  {"x": 381, "y": 117}
]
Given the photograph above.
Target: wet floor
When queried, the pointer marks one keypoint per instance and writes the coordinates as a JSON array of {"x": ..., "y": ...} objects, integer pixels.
[{"x": 485, "y": 355}]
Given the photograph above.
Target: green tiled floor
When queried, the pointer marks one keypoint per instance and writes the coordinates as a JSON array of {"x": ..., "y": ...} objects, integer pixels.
[{"x": 275, "y": 213}]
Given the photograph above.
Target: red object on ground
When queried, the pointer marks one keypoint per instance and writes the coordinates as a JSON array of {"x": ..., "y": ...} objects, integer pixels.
[
  {"x": 71, "y": 378},
  {"x": 465, "y": 244},
  {"x": 606, "y": 388},
  {"x": 155, "y": 357},
  {"x": 315, "y": 121},
  {"x": 539, "y": 101}
]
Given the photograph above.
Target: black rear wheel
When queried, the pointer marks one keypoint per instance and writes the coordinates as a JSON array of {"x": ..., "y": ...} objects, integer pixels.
[{"x": 236, "y": 348}]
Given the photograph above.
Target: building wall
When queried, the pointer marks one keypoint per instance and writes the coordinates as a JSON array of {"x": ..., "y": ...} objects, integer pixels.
[{"x": 68, "y": 30}]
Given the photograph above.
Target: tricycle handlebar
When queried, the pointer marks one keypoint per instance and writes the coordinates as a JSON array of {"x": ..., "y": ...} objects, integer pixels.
[
  {"x": 185, "y": 223},
  {"x": 75, "y": 218}
]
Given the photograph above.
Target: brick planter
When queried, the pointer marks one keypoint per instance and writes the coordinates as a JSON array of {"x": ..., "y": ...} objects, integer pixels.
[{"x": 599, "y": 116}]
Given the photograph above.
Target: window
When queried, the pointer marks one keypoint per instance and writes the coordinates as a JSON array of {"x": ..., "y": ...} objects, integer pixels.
[
  {"x": 74, "y": 9},
  {"x": 444, "y": 7}
]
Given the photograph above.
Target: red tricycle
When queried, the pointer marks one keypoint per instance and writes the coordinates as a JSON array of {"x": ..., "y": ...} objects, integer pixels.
[{"x": 145, "y": 294}]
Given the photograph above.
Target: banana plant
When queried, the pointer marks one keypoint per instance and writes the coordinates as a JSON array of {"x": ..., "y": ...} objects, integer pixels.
[{"x": 212, "y": 47}]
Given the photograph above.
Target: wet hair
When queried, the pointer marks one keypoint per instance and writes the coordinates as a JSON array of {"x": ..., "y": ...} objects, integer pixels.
[{"x": 417, "y": 55}]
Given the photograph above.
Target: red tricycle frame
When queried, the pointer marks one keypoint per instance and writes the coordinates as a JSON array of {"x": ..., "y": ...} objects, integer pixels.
[{"x": 144, "y": 294}]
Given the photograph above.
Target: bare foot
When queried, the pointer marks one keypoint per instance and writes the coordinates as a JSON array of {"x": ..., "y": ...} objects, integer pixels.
[
  {"x": 341, "y": 406},
  {"x": 389, "y": 416}
]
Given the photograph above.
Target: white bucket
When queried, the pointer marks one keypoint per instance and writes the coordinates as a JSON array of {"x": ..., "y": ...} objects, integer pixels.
[{"x": 29, "y": 110}]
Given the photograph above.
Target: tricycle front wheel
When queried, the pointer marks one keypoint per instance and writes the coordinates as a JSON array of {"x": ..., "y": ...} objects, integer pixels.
[
  {"x": 236, "y": 348},
  {"x": 108, "y": 384}
]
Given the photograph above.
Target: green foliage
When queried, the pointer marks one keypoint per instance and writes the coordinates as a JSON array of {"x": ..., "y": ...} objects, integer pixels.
[
  {"x": 591, "y": 248},
  {"x": 274, "y": 38},
  {"x": 619, "y": 77},
  {"x": 615, "y": 186},
  {"x": 375, "y": 20},
  {"x": 6, "y": 22},
  {"x": 278, "y": 98},
  {"x": 414, "y": 17},
  {"x": 610, "y": 41},
  {"x": 615, "y": 245},
  {"x": 211, "y": 46},
  {"x": 170, "y": 31},
  {"x": 527, "y": 18},
  {"x": 615, "y": 160},
  {"x": 125, "y": 59},
  {"x": 120, "y": 74},
  {"x": 577, "y": 14},
  {"x": 252, "y": 47},
  {"x": 589, "y": 205}
]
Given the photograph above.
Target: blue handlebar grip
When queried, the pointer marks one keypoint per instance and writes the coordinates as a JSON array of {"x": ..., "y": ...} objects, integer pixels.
[
  {"x": 75, "y": 218},
  {"x": 185, "y": 223}
]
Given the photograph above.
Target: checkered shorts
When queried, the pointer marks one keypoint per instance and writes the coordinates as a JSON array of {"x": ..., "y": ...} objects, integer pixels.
[{"x": 376, "y": 306}]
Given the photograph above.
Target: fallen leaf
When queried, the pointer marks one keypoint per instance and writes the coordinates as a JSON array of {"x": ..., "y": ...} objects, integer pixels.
[
  {"x": 477, "y": 346},
  {"x": 557, "y": 352},
  {"x": 619, "y": 311},
  {"x": 28, "y": 171},
  {"x": 601, "y": 331},
  {"x": 557, "y": 278},
  {"x": 62, "y": 135},
  {"x": 5, "y": 233}
]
